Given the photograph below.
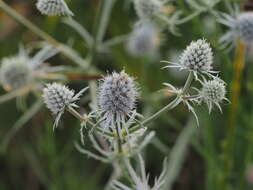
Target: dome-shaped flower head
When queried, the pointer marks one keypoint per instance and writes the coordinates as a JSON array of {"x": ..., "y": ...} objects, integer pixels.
[
  {"x": 144, "y": 40},
  {"x": 117, "y": 97},
  {"x": 15, "y": 72},
  {"x": 58, "y": 97},
  {"x": 53, "y": 8},
  {"x": 241, "y": 27},
  {"x": 213, "y": 92},
  {"x": 197, "y": 57},
  {"x": 146, "y": 9}
]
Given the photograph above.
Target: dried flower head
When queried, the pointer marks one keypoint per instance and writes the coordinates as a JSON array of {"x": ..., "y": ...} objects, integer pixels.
[
  {"x": 58, "y": 97},
  {"x": 197, "y": 57},
  {"x": 117, "y": 97},
  {"x": 53, "y": 8},
  {"x": 146, "y": 9},
  {"x": 15, "y": 72},
  {"x": 144, "y": 40},
  {"x": 213, "y": 92}
]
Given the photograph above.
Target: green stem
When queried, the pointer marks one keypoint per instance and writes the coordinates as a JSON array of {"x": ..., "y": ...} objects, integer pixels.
[
  {"x": 104, "y": 19},
  {"x": 66, "y": 50},
  {"x": 85, "y": 118},
  {"x": 170, "y": 106}
]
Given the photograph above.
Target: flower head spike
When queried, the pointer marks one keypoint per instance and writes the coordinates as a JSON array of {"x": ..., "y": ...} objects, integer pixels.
[
  {"x": 197, "y": 57},
  {"x": 146, "y": 9},
  {"x": 144, "y": 40},
  {"x": 58, "y": 97},
  {"x": 117, "y": 96},
  {"x": 213, "y": 92},
  {"x": 15, "y": 72},
  {"x": 53, "y": 8}
]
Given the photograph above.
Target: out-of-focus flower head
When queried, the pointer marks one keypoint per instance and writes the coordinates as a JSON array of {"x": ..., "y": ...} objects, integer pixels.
[{"x": 144, "y": 40}]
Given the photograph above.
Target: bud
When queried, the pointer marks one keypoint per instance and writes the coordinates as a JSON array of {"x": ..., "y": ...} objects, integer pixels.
[
  {"x": 147, "y": 8},
  {"x": 15, "y": 72},
  {"x": 198, "y": 56},
  {"x": 144, "y": 40},
  {"x": 117, "y": 97},
  {"x": 53, "y": 8},
  {"x": 213, "y": 92}
]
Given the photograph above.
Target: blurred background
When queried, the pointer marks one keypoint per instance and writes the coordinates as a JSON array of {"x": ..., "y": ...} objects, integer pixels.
[{"x": 219, "y": 155}]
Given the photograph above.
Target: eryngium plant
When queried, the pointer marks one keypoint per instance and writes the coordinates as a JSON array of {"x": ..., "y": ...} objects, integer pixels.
[
  {"x": 213, "y": 92},
  {"x": 53, "y": 8},
  {"x": 58, "y": 98},
  {"x": 197, "y": 57},
  {"x": 144, "y": 40},
  {"x": 116, "y": 98},
  {"x": 241, "y": 27},
  {"x": 15, "y": 72}
]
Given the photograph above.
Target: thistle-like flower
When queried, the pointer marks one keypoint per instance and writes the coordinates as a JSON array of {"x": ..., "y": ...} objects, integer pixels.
[
  {"x": 53, "y": 8},
  {"x": 146, "y": 9},
  {"x": 144, "y": 40},
  {"x": 213, "y": 92},
  {"x": 20, "y": 70},
  {"x": 241, "y": 27},
  {"x": 58, "y": 98},
  {"x": 141, "y": 182},
  {"x": 117, "y": 97},
  {"x": 15, "y": 72},
  {"x": 197, "y": 57}
]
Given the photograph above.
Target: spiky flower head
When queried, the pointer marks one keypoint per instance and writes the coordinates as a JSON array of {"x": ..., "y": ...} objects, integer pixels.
[
  {"x": 58, "y": 97},
  {"x": 15, "y": 72},
  {"x": 144, "y": 40},
  {"x": 53, "y": 8},
  {"x": 213, "y": 92},
  {"x": 117, "y": 97},
  {"x": 147, "y": 8},
  {"x": 198, "y": 56}
]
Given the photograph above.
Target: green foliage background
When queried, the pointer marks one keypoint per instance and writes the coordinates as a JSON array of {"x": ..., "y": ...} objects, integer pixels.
[{"x": 38, "y": 158}]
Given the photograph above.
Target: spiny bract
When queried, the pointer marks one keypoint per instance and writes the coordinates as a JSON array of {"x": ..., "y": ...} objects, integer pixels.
[
  {"x": 213, "y": 92},
  {"x": 53, "y": 8},
  {"x": 117, "y": 96},
  {"x": 15, "y": 72},
  {"x": 198, "y": 56},
  {"x": 144, "y": 40},
  {"x": 147, "y": 8}
]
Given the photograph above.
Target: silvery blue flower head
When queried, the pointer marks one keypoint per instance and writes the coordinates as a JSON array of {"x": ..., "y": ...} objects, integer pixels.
[
  {"x": 197, "y": 57},
  {"x": 146, "y": 9},
  {"x": 58, "y": 97},
  {"x": 241, "y": 27},
  {"x": 117, "y": 97},
  {"x": 213, "y": 92},
  {"x": 144, "y": 40},
  {"x": 53, "y": 8},
  {"x": 15, "y": 72}
]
